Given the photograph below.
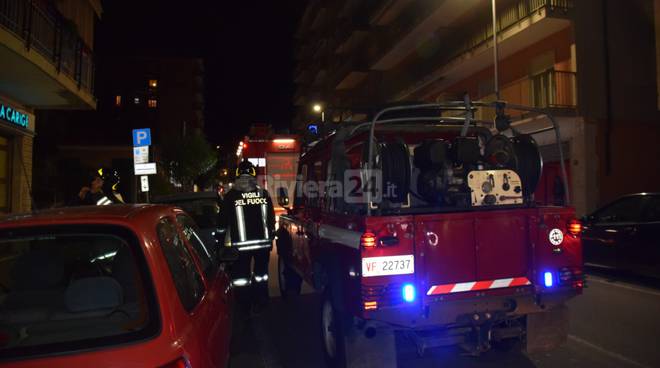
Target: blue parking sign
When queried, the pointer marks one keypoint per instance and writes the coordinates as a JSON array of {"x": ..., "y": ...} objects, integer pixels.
[{"x": 141, "y": 137}]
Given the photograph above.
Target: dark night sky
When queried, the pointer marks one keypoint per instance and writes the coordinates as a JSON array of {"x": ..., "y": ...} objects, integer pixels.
[{"x": 247, "y": 45}]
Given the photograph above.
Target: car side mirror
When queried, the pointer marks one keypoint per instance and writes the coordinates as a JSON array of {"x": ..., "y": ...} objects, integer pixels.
[
  {"x": 282, "y": 197},
  {"x": 228, "y": 254}
]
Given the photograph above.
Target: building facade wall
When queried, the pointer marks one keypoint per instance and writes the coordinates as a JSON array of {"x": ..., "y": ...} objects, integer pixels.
[
  {"x": 519, "y": 66},
  {"x": 46, "y": 63},
  {"x": 82, "y": 14},
  {"x": 618, "y": 94}
]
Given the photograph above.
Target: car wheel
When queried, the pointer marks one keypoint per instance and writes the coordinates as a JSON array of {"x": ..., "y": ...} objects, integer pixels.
[
  {"x": 289, "y": 281},
  {"x": 332, "y": 333}
]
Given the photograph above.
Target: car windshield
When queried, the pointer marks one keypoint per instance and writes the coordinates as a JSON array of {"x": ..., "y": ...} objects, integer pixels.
[
  {"x": 70, "y": 288},
  {"x": 627, "y": 209}
]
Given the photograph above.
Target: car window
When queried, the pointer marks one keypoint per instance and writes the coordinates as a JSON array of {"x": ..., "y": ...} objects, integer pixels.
[
  {"x": 204, "y": 211},
  {"x": 72, "y": 288},
  {"x": 206, "y": 256},
  {"x": 652, "y": 212},
  {"x": 627, "y": 209},
  {"x": 187, "y": 280}
]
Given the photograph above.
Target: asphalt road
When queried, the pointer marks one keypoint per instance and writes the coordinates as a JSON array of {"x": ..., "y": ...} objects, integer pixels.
[{"x": 613, "y": 324}]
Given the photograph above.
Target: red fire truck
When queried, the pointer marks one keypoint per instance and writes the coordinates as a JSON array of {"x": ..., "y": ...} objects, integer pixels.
[
  {"x": 275, "y": 157},
  {"x": 431, "y": 230}
]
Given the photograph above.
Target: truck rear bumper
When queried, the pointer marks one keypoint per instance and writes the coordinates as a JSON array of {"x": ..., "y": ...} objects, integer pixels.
[{"x": 438, "y": 313}]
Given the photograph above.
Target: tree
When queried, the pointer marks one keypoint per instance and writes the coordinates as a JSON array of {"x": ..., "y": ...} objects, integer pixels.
[{"x": 189, "y": 158}]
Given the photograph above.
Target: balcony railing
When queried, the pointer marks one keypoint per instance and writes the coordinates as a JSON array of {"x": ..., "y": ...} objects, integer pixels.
[
  {"x": 507, "y": 18},
  {"x": 42, "y": 28},
  {"x": 550, "y": 89},
  {"x": 553, "y": 89}
]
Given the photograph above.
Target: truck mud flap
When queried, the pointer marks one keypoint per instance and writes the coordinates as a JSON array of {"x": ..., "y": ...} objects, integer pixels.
[
  {"x": 547, "y": 330},
  {"x": 378, "y": 351}
]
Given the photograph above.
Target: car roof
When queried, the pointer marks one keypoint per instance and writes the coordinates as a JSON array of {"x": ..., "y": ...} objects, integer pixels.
[
  {"x": 87, "y": 214},
  {"x": 178, "y": 197}
]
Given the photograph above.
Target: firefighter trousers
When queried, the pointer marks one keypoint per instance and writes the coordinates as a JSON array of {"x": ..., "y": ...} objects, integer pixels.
[{"x": 252, "y": 283}]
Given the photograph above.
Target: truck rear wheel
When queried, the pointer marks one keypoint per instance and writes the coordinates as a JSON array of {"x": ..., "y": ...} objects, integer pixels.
[
  {"x": 344, "y": 346},
  {"x": 289, "y": 281}
]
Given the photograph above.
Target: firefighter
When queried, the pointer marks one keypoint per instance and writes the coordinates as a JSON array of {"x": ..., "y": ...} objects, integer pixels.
[
  {"x": 248, "y": 215},
  {"x": 111, "y": 182},
  {"x": 102, "y": 190}
]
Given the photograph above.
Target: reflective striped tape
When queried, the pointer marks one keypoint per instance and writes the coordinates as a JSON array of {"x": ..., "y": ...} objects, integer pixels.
[
  {"x": 103, "y": 201},
  {"x": 240, "y": 222},
  {"x": 264, "y": 220},
  {"x": 478, "y": 285}
]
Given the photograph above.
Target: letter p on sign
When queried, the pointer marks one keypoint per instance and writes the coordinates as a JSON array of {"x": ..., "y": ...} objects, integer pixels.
[{"x": 141, "y": 137}]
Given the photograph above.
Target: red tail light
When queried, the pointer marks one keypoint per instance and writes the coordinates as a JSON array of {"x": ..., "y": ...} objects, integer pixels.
[
  {"x": 179, "y": 363},
  {"x": 368, "y": 240},
  {"x": 575, "y": 227},
  {"x": 370, "y": 305}
]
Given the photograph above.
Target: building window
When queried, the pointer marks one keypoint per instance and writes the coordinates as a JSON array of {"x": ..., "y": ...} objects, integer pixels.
[
  {"x": 117, "y": 100},
  {"x": 153, "y": 103},
  {"x": 153, "y": 83},
  {"x": 136, "y": 100},
  {"x": 5, "y": 180}
]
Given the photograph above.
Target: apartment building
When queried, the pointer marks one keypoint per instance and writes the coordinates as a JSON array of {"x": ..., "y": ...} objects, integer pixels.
[
  {"x": 552, "y": 54},
  {"x": 46, "y": 63}
]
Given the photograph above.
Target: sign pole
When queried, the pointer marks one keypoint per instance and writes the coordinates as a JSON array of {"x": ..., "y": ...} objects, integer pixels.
[{"x": 141, "y": 165}]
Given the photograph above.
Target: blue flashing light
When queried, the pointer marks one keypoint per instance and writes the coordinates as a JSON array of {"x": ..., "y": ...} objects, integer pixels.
[
  {"x": 409, "y": 293},
  {"x": 548, "y": 279}
]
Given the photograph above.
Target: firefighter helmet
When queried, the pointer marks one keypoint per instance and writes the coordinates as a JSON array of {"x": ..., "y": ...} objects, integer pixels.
[
  {"x": 246, "y": 168},
  {"x": 110, "y": 177}
]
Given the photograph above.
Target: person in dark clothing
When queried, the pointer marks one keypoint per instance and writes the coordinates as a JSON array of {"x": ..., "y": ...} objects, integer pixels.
[
  {"x": 248, "y": 215},
  {"x": 102, "y": 189}
]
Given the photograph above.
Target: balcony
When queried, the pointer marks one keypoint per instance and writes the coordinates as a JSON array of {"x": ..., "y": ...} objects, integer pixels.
[
  {"x": 511, "y": 16},
  {"x": 521, "y": 24},
  {"x": 553, "y": 90},
  {"x": 46, "y": 64}
]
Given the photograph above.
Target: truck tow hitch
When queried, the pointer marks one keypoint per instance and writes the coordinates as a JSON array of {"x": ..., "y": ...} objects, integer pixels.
[
  {"x": 480, "y": 335},
  {"x": 488, "y": 328}
]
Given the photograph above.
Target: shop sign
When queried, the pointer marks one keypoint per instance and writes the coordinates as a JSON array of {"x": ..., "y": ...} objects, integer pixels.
[{"x": 11, "y": 115}]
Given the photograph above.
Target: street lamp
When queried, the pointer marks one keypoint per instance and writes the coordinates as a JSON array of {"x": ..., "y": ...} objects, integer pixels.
[{"x": 319, "y": 109}]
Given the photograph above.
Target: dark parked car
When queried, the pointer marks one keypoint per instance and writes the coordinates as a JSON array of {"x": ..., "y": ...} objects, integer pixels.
[
  {"x": 624, "y": 234},
  {"x": 203, "y": 207}
]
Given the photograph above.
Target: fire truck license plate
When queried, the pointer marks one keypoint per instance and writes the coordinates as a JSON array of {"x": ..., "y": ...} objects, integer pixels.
[{"x": 383, "y": 266}]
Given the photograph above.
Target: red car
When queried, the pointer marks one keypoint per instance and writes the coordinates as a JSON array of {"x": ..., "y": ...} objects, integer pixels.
[{"x": 111, "y": 286}]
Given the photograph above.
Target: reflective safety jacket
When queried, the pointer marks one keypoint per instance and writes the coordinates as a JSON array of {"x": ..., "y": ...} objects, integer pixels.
[{"x": 247, "y": 213}]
